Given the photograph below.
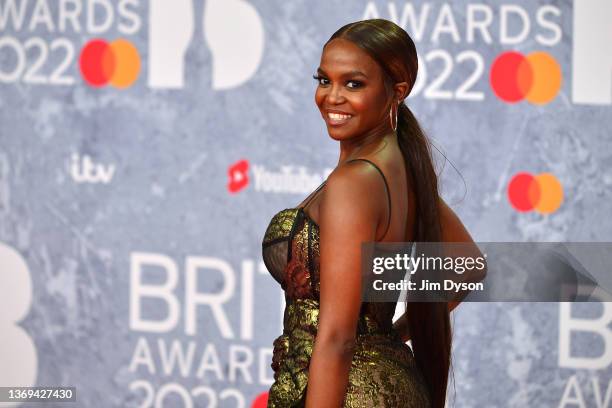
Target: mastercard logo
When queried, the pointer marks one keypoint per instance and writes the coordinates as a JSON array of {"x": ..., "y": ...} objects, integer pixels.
[
  {"x": 116, "y": 63},
  {"x": 542, "y": 193},
  {"x": 535, "y": 77},
  {"x": 261, "y": 401}
]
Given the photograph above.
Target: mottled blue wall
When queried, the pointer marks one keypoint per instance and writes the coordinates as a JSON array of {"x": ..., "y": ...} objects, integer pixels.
[{"x": 201, "y": 86}]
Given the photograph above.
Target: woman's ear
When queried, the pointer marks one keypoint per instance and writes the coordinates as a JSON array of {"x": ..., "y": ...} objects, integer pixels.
[{"x": 401, "y": 89}]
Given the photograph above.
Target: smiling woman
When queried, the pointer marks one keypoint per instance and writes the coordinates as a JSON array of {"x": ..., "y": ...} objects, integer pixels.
[
  {"x": 335, "y": 349},
  {"x": 350, "y": 83}
]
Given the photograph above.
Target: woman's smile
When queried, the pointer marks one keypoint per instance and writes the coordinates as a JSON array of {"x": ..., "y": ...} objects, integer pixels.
[{"x": 337, "y": 119}]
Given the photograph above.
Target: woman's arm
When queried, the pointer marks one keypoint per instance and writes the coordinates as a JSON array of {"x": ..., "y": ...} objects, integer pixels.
[
  {"x": 348, "y": 215},
  {"x": 401, "y": 324},
  {"x": 453, "y": 230}
]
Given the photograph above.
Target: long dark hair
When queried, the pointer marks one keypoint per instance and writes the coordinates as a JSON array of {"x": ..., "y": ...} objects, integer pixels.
[{"x": 428, "y": 322}]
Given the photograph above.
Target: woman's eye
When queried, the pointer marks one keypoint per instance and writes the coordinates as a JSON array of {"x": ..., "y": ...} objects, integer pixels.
[
  {"x": 357, "y": 84},
  {"x": 318, "y": 78}
]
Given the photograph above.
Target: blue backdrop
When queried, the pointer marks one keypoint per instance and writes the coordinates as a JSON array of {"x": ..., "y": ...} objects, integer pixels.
[{"x": 145, "y": 145}]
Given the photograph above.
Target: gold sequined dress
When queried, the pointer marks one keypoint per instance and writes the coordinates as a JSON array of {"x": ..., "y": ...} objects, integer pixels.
[{"x": 383, "y": 371}]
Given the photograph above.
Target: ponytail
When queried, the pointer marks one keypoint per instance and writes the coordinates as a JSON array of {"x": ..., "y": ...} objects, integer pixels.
[{"x": 428, "y": 322}]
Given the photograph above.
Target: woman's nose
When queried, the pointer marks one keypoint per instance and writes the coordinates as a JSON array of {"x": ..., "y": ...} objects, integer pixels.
[{"x": 335, "y": 95}]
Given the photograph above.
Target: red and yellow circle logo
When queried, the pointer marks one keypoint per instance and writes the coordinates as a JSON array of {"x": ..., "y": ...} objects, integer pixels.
[
  {"x": 116, "y": 63},
  {"x": 261, "y": 401},
  {"x": 535, "y": 77},
  {"x": 542, "y": 193}
]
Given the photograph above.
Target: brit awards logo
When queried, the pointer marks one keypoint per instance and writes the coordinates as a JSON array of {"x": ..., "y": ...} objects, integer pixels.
[
  {"x": 535, "y": 74},
  {"x": 40, "y": 41},
  {"x": 591, "y": 53},
  {"x": 233, "y": 32},
  {"x": 17, "y": 349}
]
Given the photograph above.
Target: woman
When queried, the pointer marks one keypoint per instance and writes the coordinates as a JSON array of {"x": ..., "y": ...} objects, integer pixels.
[{"x": 336, "y": 350}]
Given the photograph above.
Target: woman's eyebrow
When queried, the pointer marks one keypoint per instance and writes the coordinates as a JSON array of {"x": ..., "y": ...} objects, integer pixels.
[
  {"x": 356, "y": 73},
  {"x": 350, "y": 73}
]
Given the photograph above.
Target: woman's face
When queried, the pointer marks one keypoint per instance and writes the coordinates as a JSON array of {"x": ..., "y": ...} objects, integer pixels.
[{"x": 351, "y": 94}]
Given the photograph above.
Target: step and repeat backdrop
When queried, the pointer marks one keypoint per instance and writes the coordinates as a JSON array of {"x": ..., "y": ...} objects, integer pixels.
[{"x": 145, "y": 145}]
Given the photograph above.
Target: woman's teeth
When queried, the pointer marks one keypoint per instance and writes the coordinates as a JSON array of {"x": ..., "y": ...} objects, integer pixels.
[{"x": 337, "y": 117}]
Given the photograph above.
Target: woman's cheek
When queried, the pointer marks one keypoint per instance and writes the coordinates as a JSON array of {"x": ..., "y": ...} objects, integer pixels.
[
  {"x": 362, "y": 103},
  {"x": 319, "y": 95}
]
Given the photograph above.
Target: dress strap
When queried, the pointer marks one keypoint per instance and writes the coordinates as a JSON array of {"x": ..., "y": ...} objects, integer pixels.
[
  {"x": 311, "y": 196},
  {"x": 386, "y": 188}
]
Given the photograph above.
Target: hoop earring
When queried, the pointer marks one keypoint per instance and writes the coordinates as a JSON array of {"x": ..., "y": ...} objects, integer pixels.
[{"x": 394, "y": 127}]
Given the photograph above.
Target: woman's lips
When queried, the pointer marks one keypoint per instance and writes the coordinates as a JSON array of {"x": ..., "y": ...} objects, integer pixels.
[{"x": 337, "y": 119}]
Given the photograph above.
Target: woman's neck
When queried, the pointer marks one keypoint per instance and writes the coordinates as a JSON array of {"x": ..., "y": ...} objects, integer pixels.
[{"x": 351, "y": 149}]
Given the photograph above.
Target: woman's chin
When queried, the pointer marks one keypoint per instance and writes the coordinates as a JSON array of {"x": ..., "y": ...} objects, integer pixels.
[{"x": 339, "y": 132}]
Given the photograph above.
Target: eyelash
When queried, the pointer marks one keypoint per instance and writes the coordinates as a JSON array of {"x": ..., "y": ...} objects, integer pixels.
[{"x": 318, "y": 78}]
